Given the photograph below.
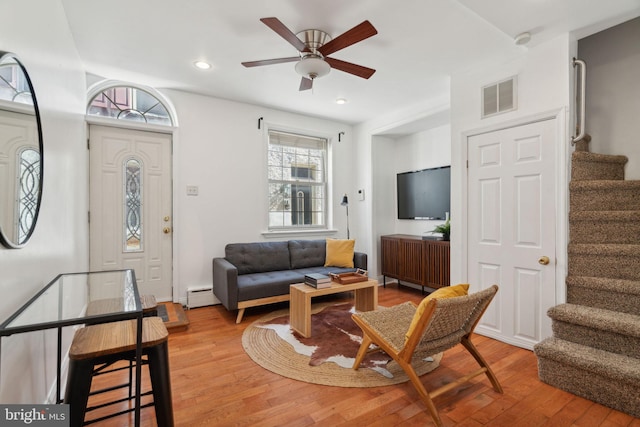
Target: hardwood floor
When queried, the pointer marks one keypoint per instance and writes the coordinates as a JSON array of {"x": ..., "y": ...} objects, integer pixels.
[{"x": 214, "y": 383}]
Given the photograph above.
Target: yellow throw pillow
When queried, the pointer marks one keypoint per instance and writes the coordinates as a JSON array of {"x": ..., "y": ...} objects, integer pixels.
[
  {"x": 446, "y": 292},
  {"x": 339, "y": 253}
]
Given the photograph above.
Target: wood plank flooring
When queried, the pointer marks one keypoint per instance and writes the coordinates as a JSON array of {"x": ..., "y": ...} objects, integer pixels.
[{"x": 214, "y": 383}]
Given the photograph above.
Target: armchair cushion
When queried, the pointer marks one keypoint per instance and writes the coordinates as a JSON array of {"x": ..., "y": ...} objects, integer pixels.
[{"x": 446, "y": 292}]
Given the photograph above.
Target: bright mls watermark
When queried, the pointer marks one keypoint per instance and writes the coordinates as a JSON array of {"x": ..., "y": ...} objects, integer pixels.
[{"x": 34, "y": 415}]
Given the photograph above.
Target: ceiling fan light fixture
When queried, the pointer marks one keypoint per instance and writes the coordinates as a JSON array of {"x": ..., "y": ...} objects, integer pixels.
[{"x": 312, "y": 67}]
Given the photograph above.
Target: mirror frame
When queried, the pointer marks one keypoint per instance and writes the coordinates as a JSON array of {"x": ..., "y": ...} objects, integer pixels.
[{"x": 3, "y": 237}]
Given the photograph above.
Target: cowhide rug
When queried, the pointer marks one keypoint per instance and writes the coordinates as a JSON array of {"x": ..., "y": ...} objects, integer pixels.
[{"x": 335, "y": 338}]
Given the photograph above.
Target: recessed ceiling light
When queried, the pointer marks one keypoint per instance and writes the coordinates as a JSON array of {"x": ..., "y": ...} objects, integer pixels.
[
  {"x": 202, "y": 65},
  {"x": 341, "y": 101}
]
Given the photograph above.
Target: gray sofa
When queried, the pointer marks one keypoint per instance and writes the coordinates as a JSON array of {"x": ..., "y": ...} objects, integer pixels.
[{"x": 253, "y": 274}]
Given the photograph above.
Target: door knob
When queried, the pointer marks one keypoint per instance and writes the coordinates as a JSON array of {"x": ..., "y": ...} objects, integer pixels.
[
  {"x": 166, "y": 230},
  {"x": 544, "y": 260}
]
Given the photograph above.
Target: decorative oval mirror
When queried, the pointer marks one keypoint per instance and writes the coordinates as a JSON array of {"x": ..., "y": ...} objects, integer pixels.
[{"x": 20, "y": 153}]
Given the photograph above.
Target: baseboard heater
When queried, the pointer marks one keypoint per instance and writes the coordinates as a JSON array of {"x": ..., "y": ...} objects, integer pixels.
[{"x": 200, "y": 296}]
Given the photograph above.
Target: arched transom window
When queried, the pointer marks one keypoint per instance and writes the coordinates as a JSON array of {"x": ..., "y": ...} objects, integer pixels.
[{"x": 129, "y": 103}]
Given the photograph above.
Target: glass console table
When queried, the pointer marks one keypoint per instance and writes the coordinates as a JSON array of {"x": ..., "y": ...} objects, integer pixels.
[{"x": 82, "y": 298}]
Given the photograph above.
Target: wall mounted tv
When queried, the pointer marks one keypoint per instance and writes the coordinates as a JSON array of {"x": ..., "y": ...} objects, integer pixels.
[{"x": 424, "y": 194}]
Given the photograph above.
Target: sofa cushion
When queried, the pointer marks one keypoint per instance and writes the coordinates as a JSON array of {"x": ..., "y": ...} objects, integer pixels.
[
  {"x": 262, "y": 285},
  {"x": 339, "y": 253},
  {"x": 307, "y": 253},
  {"x": 258, "y": 257}
]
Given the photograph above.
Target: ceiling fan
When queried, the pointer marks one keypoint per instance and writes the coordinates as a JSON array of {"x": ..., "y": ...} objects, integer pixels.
[{"x": 315, "y": 46}]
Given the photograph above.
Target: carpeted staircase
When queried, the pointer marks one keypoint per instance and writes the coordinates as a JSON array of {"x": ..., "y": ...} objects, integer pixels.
[{"x": 595, "y": 348}]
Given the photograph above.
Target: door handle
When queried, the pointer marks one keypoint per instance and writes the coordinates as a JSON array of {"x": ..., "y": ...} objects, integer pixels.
[
  {"x": 544, "y": 260},
  {"x": 166, "y": 230}
]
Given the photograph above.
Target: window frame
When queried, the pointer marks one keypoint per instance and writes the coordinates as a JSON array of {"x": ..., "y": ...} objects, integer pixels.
[
  {"x": 128, "y": 107},
  {"x": 326, "y": 183}
]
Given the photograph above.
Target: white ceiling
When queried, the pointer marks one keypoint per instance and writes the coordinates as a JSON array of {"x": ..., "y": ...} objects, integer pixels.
[{"x": 419, "y": 44}]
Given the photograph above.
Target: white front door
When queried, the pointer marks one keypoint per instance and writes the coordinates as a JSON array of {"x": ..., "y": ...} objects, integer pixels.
[
  {"x": 131, "y": 206},
  {"x": 511, "y": 228}
]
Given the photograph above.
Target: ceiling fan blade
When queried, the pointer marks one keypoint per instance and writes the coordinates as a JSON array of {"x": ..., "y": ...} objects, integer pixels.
[
  {"x": 270, "y": 61},
  {"x": 276, "y": 25},
  {"x": 306, "y": 84},
  {"x": 356, "y": 34},
  {"x": 348, "y": 67}
]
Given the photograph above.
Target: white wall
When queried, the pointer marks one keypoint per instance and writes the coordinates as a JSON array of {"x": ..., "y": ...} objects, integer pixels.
[
  {"x": 421, "y": 150},
  {"x": 390, "y": 156},
  {"x": 427, "y": 149},
  {"x": 375, "y": 144},
  {"x": 613, "y": 92},
  {"x": 383, "y": 189},
  {"x": 60, "y": 241},
  {"x": 219, "y": 148},
  {"x": 544, "y": 85}
]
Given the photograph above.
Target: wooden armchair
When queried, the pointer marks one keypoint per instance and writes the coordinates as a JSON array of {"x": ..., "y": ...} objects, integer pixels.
[{"x": 444, "y": 324}]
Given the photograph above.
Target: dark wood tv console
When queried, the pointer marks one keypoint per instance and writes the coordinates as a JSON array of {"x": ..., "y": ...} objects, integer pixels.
[{"x": 411, "y": 259}]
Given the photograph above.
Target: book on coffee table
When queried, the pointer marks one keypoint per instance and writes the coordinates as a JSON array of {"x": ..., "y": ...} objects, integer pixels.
[{"x": 317, "y": 280}]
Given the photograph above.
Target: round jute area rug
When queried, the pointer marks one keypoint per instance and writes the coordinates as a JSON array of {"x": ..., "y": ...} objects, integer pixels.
[{"x": 268, "y": 349}]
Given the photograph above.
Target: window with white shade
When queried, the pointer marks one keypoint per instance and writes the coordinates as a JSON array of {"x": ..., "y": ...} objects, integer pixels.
[{"x": 297, "y": 171}]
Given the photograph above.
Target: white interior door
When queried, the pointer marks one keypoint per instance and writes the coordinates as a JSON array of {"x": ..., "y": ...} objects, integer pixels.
[
  {"x": 131, "y": 206},
  {"x": 511, "y": 227}
]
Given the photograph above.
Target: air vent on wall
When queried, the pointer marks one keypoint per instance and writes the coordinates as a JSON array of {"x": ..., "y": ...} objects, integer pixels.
[{"x": 499, "y": 97}]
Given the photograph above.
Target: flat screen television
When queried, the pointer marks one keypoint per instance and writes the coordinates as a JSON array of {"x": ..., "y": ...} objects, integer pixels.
[{"x": 424, "y": 194}]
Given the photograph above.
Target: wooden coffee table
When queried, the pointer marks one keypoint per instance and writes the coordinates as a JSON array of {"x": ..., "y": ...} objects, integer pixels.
[{"x": 366, "y": 299}]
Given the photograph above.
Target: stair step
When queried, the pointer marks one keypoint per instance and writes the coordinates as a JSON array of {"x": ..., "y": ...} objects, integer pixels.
[
  {"x": 608, "y": 378},
  {"x": 604, "y": 226},
  {"x": 598, "y": 328},
  {"x": 601, "y": 292},
  {"x": 590, "y": 166},
  {"x": 616, "y": 261},
  {"x": 604, "y": 195}
]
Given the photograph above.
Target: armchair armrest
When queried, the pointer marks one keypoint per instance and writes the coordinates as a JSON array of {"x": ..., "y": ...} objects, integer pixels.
[{"x": 225, "y": 283}]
